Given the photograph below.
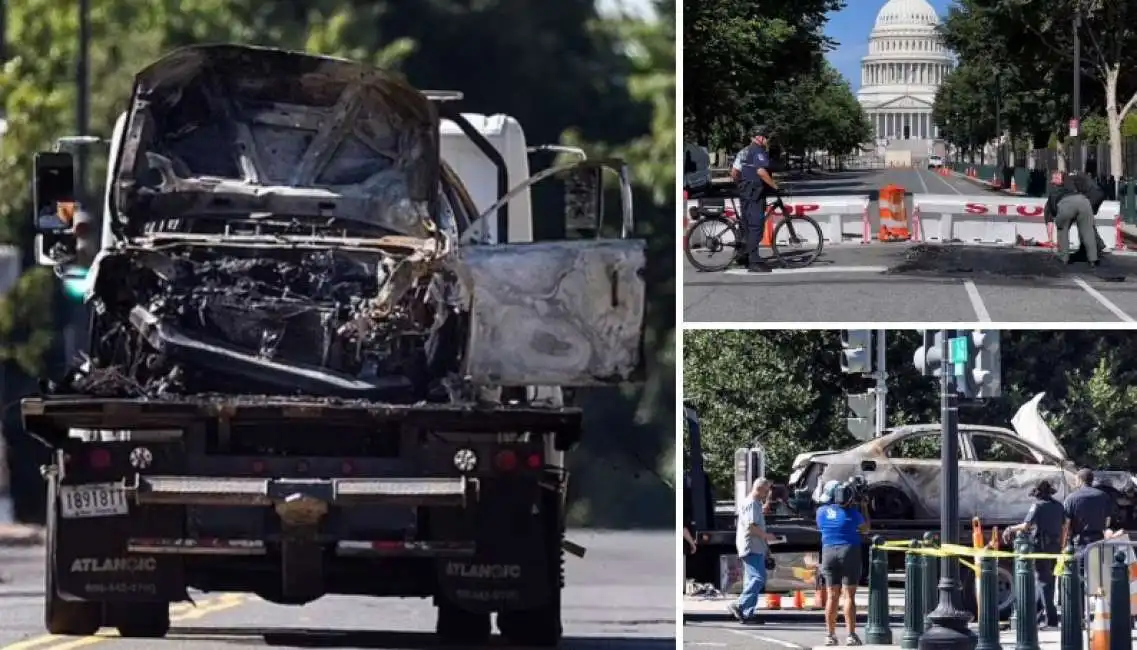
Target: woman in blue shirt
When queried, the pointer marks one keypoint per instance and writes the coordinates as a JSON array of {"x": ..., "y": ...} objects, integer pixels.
[{"x": 840, "y": 522}]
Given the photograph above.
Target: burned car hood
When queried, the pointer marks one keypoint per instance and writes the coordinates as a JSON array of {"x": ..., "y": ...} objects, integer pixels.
[{"x": 226, "y": 130}]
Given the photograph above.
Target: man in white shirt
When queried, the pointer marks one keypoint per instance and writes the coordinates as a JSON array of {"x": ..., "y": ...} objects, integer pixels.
[{"x": 752, "y": 543}]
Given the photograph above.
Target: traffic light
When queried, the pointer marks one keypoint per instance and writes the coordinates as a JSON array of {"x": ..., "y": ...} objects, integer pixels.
[
  {"x": 929, "y": 358},
  {"x": 982, "y": 375},
  {"x": 862, "y": 416},
  {"x": 856, "y": 352}
]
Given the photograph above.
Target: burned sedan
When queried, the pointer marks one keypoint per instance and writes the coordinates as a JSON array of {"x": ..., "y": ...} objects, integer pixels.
[
  {"x": 287, "y": 226},
  {"x": 997, "y": 470}
]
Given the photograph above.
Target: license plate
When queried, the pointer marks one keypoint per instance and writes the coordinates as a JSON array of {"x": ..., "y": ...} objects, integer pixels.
[{"x": 95, "y": 500}]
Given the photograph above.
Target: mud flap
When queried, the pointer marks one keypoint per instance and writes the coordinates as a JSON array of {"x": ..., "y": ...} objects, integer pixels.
[
  {"x": 510, "y": 567},
  {"x": 92, "y": 563}
]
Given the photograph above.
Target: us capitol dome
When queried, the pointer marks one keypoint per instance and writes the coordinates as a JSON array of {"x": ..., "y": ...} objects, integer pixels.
[{"x": 905, "y": 65}]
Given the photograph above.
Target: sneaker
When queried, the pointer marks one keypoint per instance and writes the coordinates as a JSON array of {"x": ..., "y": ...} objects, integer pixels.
[
  {"x": 758, "y": 268},
  {"x": 853, "y": 639},
  {"x": 734, "y": 611},
  {"x": 831, "y": 639}
]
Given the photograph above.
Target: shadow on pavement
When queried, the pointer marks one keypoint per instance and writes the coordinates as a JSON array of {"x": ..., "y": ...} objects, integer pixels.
[
  {"x": 325, "y": 638},
  {"x": 950, "y": 260}
]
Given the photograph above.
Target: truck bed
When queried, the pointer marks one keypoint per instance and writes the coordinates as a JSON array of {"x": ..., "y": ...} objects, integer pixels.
[{"x": 49, "y": 419}]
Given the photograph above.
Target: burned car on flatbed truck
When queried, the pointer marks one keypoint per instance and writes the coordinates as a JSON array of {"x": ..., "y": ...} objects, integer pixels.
[{"x": 316, "y": 364}]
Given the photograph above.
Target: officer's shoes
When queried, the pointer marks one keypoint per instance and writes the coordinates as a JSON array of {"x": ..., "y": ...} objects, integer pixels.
[{"x": 760, "y": 267}]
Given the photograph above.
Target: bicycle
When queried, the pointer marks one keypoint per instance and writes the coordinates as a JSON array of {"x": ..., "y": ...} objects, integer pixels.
[{"x": 732, "y": 235}]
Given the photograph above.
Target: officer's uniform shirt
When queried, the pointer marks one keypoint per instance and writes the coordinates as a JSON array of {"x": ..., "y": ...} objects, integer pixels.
[
  {"x": 747, "y": 163},
  {"x": 1087, "y": 508},
  {"x": 1046, "y": 516}
]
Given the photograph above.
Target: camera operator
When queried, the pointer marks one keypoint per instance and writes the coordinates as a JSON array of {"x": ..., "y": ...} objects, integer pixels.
[{"x": 841, "y": 523}]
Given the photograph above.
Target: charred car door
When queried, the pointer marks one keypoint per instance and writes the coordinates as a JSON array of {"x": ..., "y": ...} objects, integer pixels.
[
  {"x": 1000, "y": 477},
  {"x": 555, "y": 313}
]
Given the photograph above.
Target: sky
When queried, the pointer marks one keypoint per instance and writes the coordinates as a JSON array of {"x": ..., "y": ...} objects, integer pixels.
[{"x": 850, "y": 27}]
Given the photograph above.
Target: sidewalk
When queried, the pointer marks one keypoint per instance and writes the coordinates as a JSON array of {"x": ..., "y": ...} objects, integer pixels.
[
  {"x": 1048, "y": 640},
  {"x": 698, "y": 608}
]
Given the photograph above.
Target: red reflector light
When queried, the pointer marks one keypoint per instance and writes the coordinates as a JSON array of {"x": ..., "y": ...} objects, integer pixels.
[
  {"x": 534, "y": 461},
  {"x": 347, "y": 467},
  {"x": 99, "y": 458},
  {"x": 302, "y": 466},
  {"x": 506, "y": 460},
  {"x": 258, "y": 466}
]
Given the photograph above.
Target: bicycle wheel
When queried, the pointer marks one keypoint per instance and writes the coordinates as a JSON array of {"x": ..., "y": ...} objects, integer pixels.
[
  {"x": 713, "y": 235},
  {"x": 797, "y": 241}
]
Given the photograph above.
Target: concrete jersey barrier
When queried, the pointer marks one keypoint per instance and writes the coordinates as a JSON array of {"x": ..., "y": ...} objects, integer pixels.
[
  {"x": 842, "y": 218},
  {"x": 1004, "y": 220}
]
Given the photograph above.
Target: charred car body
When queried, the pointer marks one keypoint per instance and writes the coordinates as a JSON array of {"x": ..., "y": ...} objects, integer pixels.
[
  {"x": 316, "y": 364},
  {"x": 997, "y": 471}
]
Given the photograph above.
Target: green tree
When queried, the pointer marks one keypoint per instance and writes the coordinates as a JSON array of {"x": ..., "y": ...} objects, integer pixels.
[
  {"x": 738, "y": 57},
  {"x": 785, "y": 391}
]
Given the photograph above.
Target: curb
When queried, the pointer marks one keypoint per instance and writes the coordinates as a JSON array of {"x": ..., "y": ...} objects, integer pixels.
[
  {"x": 779, "y": 616},
  {"x": 986, "y": 184}
]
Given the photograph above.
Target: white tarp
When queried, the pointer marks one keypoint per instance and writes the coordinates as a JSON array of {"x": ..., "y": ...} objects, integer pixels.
[{"x": 1030, "y": 426}]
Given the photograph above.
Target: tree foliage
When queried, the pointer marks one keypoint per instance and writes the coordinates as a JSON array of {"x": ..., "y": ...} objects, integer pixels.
[
  {"x": 785, "y": 390},
  {"x": 566, "y": 73},
  {"x": 748, "y": 63},
  {"x": 1030, "y": 44}
]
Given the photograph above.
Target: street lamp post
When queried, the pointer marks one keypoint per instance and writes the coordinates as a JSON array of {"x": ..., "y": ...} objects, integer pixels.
[
  {"x": 948, "y": 629},
  {"x": 1076, "y": 140}
]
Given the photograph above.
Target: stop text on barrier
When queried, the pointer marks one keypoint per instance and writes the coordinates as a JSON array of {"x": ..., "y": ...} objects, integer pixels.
[{"x": 1004, "y": 210}]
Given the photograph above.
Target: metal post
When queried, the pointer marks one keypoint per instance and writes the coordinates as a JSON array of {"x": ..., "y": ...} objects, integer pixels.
[
  {"x": 1071, "y": 603},
  {"x": 1120, "y": 623},
  {"x": 998, "y": 129},
  {"x": 949, "y": 630},
  {"x": 881, "y": 383},
  {"x": 877, "y": 630},
  {"x": 988, "y": 604},
  {"x": 931, "y": 576},
  {"x": 1076, "y": 141},
  {"x": 1026, "y": 597},
  {"x": 913, "y": 595},
  {"x": 82, "y": 91}
]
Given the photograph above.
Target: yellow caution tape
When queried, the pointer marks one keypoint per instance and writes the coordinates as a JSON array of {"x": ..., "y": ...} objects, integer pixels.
[{"x": 960, "y": 551}]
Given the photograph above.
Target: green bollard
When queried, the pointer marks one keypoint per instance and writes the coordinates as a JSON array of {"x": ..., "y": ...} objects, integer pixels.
[
  {"x": 877, "y": 630},
  {"x": 1071, "y": 638},
  {"x": 931, "y": 578},
  {"x": 1026, "y": 597},
  {"x": 988, "y": 604},
  {"x": 913, "y": 598},
  {"x": 1120, "y": 637}
]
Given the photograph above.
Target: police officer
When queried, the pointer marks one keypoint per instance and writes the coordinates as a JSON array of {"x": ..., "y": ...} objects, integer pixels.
[
  {"x": 1088, "y": 510},
  {"x": 751, "y": 171},
  {"x": 1045, "y": 520},
  {"x": 1067, "y": 205}
]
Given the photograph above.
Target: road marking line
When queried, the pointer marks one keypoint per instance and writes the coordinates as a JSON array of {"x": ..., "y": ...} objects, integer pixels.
[
  {"x": 953, "y": 176},
  {"x": 178, "y": 612},
  {"x": 1103, "y": 300},
  {"x": 811, "y": 269},
  {"x": 761, "y": 637},
  {"x": 977, "y": 301},
  {"x": 923, "y": 183}
]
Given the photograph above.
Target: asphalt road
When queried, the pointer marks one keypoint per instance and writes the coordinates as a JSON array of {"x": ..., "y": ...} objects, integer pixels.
[
  {"x": 620, "y": 596},
  {"x": 796, "y": 634},
  {"x": 860, "y": 283}
]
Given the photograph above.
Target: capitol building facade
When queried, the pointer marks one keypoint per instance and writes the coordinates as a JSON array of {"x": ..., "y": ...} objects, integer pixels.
[{"x": 905, "y": 65}]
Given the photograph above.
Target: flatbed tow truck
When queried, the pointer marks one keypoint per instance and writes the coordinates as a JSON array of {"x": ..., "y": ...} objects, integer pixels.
[{"x": 799, "y": 541}]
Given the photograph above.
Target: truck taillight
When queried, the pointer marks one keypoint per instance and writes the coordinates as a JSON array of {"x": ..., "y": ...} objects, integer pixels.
[
  {"x": 534, "y": 461},
  {"x": 99, "y": 459},
  {"x": 505, "y": 460}
]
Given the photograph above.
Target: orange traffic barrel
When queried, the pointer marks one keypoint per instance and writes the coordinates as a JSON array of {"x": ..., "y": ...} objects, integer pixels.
[{"x": 893, "y": 214}]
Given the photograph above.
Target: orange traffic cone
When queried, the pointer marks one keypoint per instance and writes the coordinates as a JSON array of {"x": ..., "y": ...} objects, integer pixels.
[
  {"x": 799, "y": 599},
  {"x": 768, "y": 231},
  {"x": 773, "y": 601},
  {"x": 1099, "y": 626},
  {"x": 1014, "y": 186}
]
